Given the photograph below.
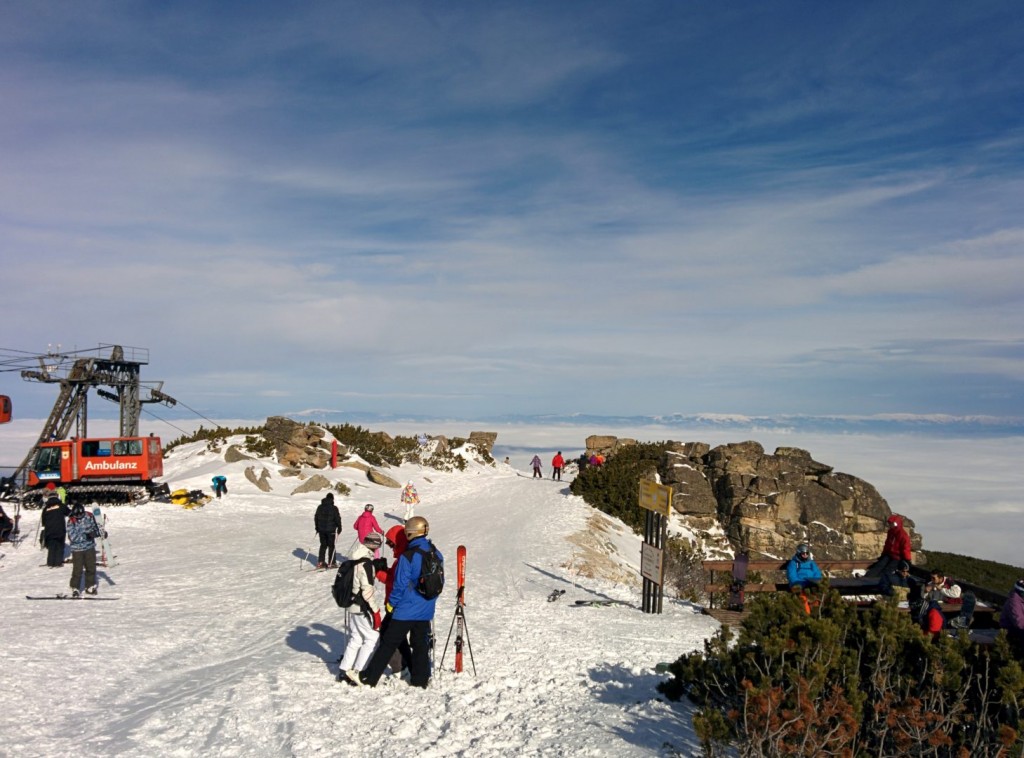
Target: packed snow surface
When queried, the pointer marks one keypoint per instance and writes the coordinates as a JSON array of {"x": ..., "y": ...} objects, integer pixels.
[{"x": 223, "y": 640}]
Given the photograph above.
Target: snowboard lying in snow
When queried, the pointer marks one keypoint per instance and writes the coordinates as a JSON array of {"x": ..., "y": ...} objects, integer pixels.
[{"x": 603, "y": 603}]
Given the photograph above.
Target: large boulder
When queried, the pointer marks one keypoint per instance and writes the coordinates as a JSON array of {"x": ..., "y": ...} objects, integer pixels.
[
  {"x": 315, "y": 483},
  {"x": 297, "y": 444},
  {"x": 692, "y": 493},
  {"x": 483, "y": 441},
  {"x": 234, "y": 454},
  {"x": 262, "y": 481},
  {"x": 378, "y": 477},
  {"x": 601, "y": 443}
]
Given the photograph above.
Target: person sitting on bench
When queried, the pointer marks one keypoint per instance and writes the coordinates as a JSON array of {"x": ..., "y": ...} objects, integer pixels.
[
  {"x": 942, "y": 589},
  {"x": 801, "y": 571},
  {"x": 898, "y": 584}
]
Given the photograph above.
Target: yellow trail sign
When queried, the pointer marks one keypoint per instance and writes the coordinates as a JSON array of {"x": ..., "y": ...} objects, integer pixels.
[{"x": 656, "y": 497}]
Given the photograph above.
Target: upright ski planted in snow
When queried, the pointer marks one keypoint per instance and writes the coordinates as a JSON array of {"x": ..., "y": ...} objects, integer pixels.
[
  {"x": 462, "y": 635},
  {"x": 461, "y": 600}
]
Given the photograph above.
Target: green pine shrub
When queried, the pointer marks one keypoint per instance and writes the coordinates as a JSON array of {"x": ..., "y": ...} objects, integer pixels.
[
  {"x": 845, "y": 681},
  {"x": 614, "y": 487},
  {"x": 214, "y": 437},
  {"x": 376, "y": 448}
]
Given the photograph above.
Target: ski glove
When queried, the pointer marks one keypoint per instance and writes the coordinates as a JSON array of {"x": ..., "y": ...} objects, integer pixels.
[
  {"x": 376, "y": 620},
  {"x": 388, "y": 608}
]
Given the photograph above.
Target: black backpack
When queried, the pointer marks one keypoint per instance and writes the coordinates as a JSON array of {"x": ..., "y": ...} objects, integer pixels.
[
  {"x": 345, "y": 580},
  {"x": 431, "y": 581}
]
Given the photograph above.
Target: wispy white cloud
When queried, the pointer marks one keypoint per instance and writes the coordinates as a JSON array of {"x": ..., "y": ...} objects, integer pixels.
[{"x": 497, "y": 203}]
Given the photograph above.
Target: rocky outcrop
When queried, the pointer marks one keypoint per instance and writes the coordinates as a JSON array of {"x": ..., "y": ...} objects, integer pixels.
[
  {"x": 234, "y": 454},
  {"x": 298, "y": 444},
  {"x": 483, "y": 441},
  {"x": 606, "y": 444},
  {"x": 315, "y": 483},
  {"x": 768, "y": 503},
  {"x": 377, "y": 477},
  {"x": 262, "y": 481}
]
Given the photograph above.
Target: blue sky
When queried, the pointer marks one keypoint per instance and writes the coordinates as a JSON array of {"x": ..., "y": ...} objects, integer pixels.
[{"x": 471, "y": 209}]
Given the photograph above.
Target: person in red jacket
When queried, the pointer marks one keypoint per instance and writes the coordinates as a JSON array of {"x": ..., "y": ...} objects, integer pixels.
[
  {"x": 397, "y": 541},
  {"x": 896, "y": 548},
  {"x": 557, "y": 463}
]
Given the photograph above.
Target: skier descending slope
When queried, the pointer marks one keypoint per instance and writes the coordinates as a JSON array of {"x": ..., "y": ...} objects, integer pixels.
[{"x": 411, "y": 499}]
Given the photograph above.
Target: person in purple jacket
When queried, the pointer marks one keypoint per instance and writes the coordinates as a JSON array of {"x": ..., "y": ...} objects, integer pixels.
[{"x": 1011, "y": 618}]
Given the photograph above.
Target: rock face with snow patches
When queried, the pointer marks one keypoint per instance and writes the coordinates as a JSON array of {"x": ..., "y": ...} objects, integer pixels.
[{"x": 768, "y": 503}]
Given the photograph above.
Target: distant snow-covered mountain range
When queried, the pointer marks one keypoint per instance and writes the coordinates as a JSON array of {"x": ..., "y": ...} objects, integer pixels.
[{"x": 889, "y": 423}]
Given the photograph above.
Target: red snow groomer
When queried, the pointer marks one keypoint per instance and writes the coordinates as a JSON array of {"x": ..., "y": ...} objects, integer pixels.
[{"x": 101, "y": 470}]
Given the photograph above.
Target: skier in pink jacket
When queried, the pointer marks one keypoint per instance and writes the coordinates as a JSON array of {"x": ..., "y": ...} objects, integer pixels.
[{"x": 367, "y": 523}]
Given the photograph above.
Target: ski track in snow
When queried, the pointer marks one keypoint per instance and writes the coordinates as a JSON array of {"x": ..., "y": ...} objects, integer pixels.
[{"x": 221, "y": 646}]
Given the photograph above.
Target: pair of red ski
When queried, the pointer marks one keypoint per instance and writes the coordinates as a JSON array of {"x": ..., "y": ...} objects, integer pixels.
[{"x": 459, "y": 621}]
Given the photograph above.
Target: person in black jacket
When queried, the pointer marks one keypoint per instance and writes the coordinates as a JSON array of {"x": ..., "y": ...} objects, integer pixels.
[
  {"x": 55, "y": 530},
  {"x": 327, "y": 522},
  {"x": 6, "y": 525}
]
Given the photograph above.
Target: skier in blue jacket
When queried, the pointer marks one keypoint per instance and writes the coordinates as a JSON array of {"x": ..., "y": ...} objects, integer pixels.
[
  {"x": 801, "y": 571},
  {"x": 410, "y": 613}
]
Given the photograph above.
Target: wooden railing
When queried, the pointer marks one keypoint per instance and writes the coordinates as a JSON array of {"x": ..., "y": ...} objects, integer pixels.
[{"x": 724, "y": 569}]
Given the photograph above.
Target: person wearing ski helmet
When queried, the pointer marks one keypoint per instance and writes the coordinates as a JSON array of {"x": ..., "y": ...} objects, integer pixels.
[
  {"x": 327, "y": 522},
  {"x": 82, "y": 533},
  {"x": 367, "y": 523},
  {"x": 411, "y": 613},
  {"x": 896, "y": 549},
  {"x": 801, "y": 571},
  {"x": 364, "y": 623}
]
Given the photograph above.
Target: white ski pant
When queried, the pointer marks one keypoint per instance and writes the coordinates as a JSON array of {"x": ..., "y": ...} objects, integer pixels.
[
  {"x": 409, "y": 508},
  {"x": 362, "y": 640}
]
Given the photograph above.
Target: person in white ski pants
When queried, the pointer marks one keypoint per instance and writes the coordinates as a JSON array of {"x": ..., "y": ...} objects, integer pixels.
[
  {"x": 410, "y": 497},
  {"x": 364, "y": 621}
]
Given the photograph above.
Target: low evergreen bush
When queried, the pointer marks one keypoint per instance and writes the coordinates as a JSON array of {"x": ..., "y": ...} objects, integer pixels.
[
  {"x": 614, "y": 487},
  {"x": 844, "y": 681}
]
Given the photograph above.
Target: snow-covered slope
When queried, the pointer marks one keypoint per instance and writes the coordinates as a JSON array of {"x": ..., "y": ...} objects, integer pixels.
[{"x": 223, "y": 643}]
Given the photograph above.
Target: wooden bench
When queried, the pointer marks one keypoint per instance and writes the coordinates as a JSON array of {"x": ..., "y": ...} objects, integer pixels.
[
  {"x": 725, "y": 568},
  {"x": 984, "y": 612}
]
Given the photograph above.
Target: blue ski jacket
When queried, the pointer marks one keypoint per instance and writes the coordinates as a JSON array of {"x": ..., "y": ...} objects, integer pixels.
[
  {"x": 801, "y": 573},
  {"x": 82, "y": 532},
  {"x": 408, "y": 604}
]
